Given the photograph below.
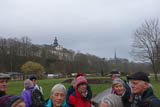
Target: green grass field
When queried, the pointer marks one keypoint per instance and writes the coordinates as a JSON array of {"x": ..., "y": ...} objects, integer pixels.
[{"x": 16, "y": 87}]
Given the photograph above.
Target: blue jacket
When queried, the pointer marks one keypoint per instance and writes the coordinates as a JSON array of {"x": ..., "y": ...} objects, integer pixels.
[
  {"x": 69, "y": 92},
  {"x": 48, "y": 103}
]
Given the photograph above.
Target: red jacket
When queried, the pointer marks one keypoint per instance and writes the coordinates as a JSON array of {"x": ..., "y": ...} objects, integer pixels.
[{"x": 78, "y": 100}]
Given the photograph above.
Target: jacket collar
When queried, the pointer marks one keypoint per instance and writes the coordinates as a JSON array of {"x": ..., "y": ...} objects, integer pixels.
[
  {"x": 30, "y": 88},
  {"x": 78, "y": 94},
  {"x": 147, "y": 93},
  {"x": 49, "y": 103}
]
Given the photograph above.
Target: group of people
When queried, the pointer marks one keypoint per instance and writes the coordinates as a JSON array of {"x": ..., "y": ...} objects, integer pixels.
[
  {"x": 137, "y": 92},
  {"x": 8, "y": 100},
  {"x": 26, "y": 97}
]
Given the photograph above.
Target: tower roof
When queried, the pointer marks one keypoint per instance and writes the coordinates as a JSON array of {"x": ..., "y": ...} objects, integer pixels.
[{"x": 55, "y": 42}]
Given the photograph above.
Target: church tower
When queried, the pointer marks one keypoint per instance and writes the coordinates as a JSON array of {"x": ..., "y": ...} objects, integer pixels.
[{"x": 55, "y": 44}]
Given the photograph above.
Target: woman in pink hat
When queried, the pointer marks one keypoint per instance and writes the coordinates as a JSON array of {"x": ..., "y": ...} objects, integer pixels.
[
  {"x": 72, "y": 88},
  {"x": 79, "y": 97}
]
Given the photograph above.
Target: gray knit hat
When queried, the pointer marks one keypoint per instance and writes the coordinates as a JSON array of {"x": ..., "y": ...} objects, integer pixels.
[
  {"x": 115, "y": 72},
  {"x": 10, "y": 100},
  {"x": 28, "y": 83},
  {"x": 3, "y": 75},
  {"x": 113, "y": 100}
]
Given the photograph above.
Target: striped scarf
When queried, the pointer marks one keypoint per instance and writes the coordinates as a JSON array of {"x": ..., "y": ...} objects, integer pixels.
[{"x": 137, "y": 98}]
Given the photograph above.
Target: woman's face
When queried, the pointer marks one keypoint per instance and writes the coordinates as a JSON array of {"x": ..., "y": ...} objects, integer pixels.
[
  {"x": 82, "y": 88},
  {"x": 119, "y": 89},
  {"x": 58, "y": 98}
]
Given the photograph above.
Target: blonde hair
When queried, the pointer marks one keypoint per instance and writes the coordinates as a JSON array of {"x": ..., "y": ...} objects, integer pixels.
[
  {"x": 17, "y": 102},
  {"x": 117, "y": 84},
  {"x": 117, "y": 81}
]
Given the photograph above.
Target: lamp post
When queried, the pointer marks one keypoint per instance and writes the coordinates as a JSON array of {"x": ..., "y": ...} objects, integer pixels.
[{"x": 102, "y": 66}]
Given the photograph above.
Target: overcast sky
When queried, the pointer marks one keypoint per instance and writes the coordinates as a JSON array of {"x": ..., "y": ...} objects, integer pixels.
[{"x": 98, "y": 27}]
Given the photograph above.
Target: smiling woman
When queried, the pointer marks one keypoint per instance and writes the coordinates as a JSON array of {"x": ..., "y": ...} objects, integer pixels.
[
  {"x": 58, "y": 93},
  {"x": 79, "y": 97},
  {"x": 122, "y": 89}
]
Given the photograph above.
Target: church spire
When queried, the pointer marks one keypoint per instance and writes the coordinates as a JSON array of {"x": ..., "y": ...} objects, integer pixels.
[
  {"x": 55, "y": 42},
  {"x": 115, "y": 56}
]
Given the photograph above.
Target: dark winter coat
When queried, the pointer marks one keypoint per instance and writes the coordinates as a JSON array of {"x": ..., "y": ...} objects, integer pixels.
[
  {"x": 2, "y": 93},
  {"x": 148, "y": 99},
  {"x": 126, "y": 96},
  {"x": 69, "y": 92},
  {"x": 78, "y": 100}
]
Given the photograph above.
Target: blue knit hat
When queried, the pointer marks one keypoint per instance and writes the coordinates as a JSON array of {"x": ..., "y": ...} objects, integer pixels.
[
  {"x": 33, "y": 77},
  {"x": 8, "y": 100}
]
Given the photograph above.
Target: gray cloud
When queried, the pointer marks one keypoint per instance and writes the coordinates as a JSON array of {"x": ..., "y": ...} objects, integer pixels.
[{"x": 98, "y": 27}]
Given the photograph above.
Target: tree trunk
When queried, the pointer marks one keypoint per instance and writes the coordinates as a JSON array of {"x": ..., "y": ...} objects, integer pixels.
[
  {"x": 155, "y": 71},
  {"x": 156, "y": 77}
]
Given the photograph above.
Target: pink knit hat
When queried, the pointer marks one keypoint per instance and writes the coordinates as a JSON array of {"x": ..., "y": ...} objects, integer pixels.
[
  {"x": 79, "y": 74},
  {"x": 79, "y": 80}
]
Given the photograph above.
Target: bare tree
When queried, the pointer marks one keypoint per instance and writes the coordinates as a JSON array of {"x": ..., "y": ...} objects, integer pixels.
[
  {"x": 145, "y": 45},
  {"x": 26, "y": 45}
]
